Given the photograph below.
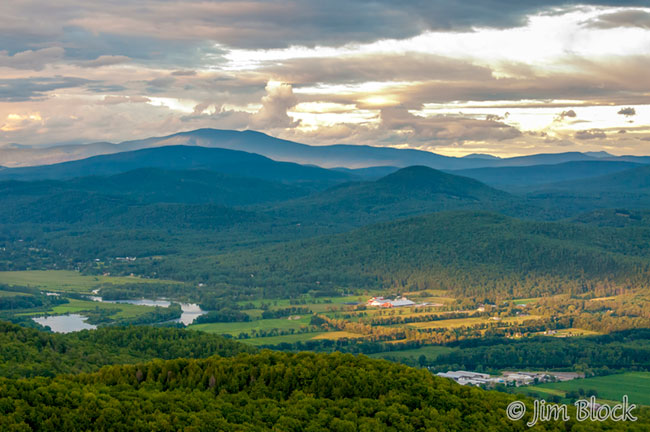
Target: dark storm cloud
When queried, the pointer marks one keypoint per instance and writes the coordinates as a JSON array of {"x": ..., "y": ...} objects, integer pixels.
[{"x": 23, "y": 89}]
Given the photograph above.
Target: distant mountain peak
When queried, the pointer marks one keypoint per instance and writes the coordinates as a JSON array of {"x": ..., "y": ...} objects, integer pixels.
[
  {"x": 413, "y": 173},
  {"x": 422, "y": 178},
  {"x": 599, "y": 154},
  {"x": 481, "y": 156}
]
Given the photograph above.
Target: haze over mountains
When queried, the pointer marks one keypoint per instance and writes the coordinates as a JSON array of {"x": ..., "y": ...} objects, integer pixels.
[
  {"x": 198, "y": 172},
  {"x": 331, "y": 156}
]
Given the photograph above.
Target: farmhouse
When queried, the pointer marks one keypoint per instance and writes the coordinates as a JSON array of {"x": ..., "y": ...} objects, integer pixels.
[{"x": 386, "y": 303}]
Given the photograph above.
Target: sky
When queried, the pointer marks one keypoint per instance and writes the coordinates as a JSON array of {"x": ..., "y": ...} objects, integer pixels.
[{"x": 505, "y": 77}]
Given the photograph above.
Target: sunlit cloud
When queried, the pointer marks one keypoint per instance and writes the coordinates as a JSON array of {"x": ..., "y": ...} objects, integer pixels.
[{"x": 449, "y": 77}]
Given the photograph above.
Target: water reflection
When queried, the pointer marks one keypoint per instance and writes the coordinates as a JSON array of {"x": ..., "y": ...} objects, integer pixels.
[
  {"x": 190, "y": 310},
  {"x": 65, "y": 323}
]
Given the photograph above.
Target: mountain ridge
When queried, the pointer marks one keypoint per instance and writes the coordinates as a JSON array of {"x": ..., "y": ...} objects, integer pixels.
[{"x": 328, "y": 156}]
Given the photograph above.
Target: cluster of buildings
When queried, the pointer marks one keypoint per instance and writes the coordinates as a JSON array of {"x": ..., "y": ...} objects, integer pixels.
[
  {"x": 383, "y": 302},
  {"x": 507, "y": 378},
  {"x": 127, "y": 258},
  {"x": 386, "y": 303}
]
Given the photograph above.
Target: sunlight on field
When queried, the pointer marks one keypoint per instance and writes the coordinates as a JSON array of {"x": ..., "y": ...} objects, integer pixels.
[
  {"x": 274, "y": 340},
  {"x": 573, "y": 332},
  {"x": 124, "y": 310},
  {"x": 67, "y": 280},
  {"x": 12, "y": 294},
  {"x": 611, "y": 387},
  {"x": 450, "y": 323},
  {"x": 430, "y": 352},
  {"x": 336, "y": 335},
  {"x": 234, "y": 328}
]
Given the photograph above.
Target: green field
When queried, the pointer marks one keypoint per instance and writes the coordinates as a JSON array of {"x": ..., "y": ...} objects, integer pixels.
[
  {"x": 124, "y": 310},
  {"x": 234, "y": 328},
  {"x": 275, "y": 340},
  {"x": 12, "y": 294},
  {"x": 636, "y": 385},
  {"x": 66, "y": 280},
  {"x": 431, "y": 352}
]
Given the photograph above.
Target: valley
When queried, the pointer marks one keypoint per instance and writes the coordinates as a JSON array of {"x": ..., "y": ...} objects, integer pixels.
[{"x": 415, "y": 266}]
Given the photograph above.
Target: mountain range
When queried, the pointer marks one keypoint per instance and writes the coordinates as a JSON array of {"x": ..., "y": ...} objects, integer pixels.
[{"x": 329, "y": 156}]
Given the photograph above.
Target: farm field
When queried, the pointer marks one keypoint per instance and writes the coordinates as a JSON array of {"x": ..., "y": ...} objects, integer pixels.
[
  {"x": 570, "y": 332},
  {"x": 234, "y": 328},
  {"x": 412, "y": 355},
  {"x": 450, "y": 323},
  {"x": 124, "y": 310},
  {"x": 609, "y": 387},
  {"x": 275, "y": 340},
  {"x": 12, "y": 293},
  {"x": 335, "y": 335},
  {"x": 66, "y": 280}
]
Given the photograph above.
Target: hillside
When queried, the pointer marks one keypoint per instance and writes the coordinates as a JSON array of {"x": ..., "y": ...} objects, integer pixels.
[
  {"x": 409, "y": 191},
  {"x": 87, "y": 209},
  {"x": 180, "y": 157},
  {"x": 474, "y": 254},
  {"x": 28, "y": 352},
  {"x": 538, "y": 176},
  {"x": 615, "y": 218},
  {"x": 629, "y": 189},
  {"x": 151, "y": 185},
  {"x": 631, "y": 180},
  {"x": 267, "y": 391},
  {"x": 329, "y": 156}
]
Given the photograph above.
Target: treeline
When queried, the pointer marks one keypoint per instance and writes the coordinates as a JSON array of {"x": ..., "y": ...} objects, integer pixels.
[
  {"x": 9, "y": 303},
  {"x": 399, "y": 319},
  {"x": 143, "y": 290},
  {"x": 619, "y": 351},
  {"x": 266, "y": 391},
  {"x": 285, "y": 312},
  {"x": 28, "y": 352},
  {"x": 473, "y": 254},
  {"x": 223, "y": 315}
]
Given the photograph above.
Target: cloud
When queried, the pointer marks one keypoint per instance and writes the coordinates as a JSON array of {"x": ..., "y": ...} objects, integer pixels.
[
  {"x": 627, "y": 112},
  {"x": 444, "y": 128},
  {"x": 160, "y": 84},
  {"x": 564, "y": 114},
  {"x": 405, "y": 66},
  {"x": 32, "y": 60},
  {"x": 624, "y": 18},
  {"x": 590, "y": 134},
  {"x": 23, "y": 89},
  {"x": 183, "y": 73},
  {"x": 275, "y": 104},
  {"x": 256, "y": 24},
  {"x": 115, "y": 100},
  {"x": 104, "y": 60}
]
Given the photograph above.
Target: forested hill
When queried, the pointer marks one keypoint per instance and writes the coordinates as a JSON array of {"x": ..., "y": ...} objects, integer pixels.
[
  {"x": 224, "y": 161},
  {"x": 260, "y": 392},
  {"x": 26, "y": 352},
  {"x": 472, "y": 253},
  {"x": 409, "y": 191}
]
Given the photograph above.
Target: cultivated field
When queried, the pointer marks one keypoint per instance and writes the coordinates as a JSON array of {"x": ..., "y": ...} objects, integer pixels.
[
  {"x": 67, "y": 280},
  {"x": 610, "y": 387}
]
